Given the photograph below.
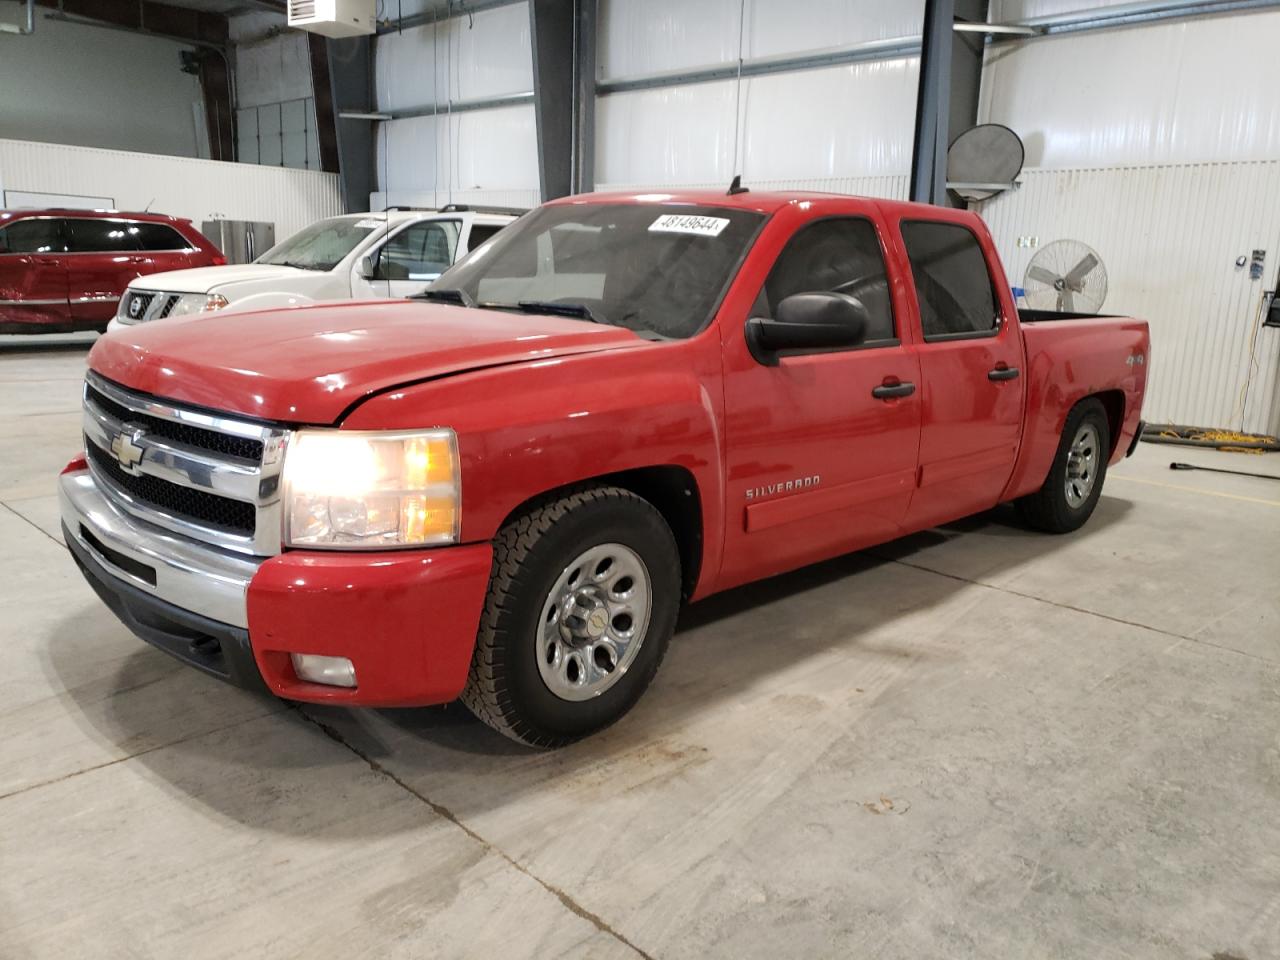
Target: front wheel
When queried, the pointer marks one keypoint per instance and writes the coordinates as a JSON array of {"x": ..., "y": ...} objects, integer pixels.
[
  {"x": 582, "y": 603},
  {"x": 1071, "y": 491}
]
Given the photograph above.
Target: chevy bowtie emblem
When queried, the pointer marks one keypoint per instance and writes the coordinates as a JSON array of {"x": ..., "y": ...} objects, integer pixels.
[{"x": 125, "y": 449}]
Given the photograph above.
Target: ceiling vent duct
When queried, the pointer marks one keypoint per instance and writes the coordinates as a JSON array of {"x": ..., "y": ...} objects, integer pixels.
[{"x": 334, "y": 18}]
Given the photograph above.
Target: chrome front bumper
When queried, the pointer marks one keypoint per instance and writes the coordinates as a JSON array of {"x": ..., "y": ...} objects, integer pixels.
[{"x": 202, "y": 579}]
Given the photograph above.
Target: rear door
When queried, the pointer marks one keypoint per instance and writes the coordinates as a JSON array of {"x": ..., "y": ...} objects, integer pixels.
[
  {"x": 103, "y": 257},
  {"x": 971, "y": 383},
  {"x": 821, "y": 448},
  {"x": 33, "y": 276},
  {"x": 407, "y": 261}
]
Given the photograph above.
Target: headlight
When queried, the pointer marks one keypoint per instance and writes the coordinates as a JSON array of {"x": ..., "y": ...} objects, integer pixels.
[
  {"x": 190, "y": 303},
  {"x": 349, "y": 489}
]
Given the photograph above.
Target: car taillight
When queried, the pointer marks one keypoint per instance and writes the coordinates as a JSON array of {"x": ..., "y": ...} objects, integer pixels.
[{"x": 219, "y": 260}]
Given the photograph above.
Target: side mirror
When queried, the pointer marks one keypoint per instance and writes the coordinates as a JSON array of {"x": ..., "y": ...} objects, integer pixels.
[
  {"x": 368, "y": 267},
  {"x": 808, "y": 321}
]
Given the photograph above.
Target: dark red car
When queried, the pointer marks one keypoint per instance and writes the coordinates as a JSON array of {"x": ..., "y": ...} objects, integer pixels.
[{"x": 64, "y": 270}]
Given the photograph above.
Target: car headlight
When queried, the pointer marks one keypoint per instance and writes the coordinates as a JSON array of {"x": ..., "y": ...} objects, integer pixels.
[
  {"x": 190, "y": 303},
  {"x": 370, "y": 489}
]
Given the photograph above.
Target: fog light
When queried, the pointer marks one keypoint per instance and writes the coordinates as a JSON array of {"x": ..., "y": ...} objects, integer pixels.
[{"x": 334, "y": 671}]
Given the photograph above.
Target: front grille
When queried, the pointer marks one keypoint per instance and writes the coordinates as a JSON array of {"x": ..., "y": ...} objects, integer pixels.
[
  {"x": 169, "y": 304},
  {"x": 202, "y": 475},
  {"x": 210, "y": 441},
  {"x": 302, "y": 9},
  {"x": 209, "y": 509},
  {"x": 137, "y": 305}
]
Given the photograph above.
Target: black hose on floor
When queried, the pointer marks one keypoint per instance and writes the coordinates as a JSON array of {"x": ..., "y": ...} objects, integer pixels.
[{"x": 1238, "y": 473}]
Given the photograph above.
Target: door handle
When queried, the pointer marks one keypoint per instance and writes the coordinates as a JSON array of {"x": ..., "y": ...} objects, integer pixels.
[
  {"x": 1003, "y": 373},
  {"x": 887, "y": 391}
]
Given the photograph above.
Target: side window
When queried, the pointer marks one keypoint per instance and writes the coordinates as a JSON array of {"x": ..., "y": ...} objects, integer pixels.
[
  {"x": 101, "y": 236},
  {"x": 953, "y": 285},
  {"x": 157, "y": 236},
  {"x": 481, "y": 232},
  {"x": 32, "y": 236},
  {"x": 419, "y": 252},
  {"x": 841, "y": 255}
]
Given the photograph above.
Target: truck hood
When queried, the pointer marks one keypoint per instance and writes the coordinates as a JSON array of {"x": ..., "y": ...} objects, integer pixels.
[
  {"x": 209, "y": 279},
  {"x": 310, "y": 364}
]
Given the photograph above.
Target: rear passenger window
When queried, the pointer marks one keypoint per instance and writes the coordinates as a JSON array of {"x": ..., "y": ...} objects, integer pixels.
[
  {"x": 481, "y": 232},
  {"x": 157, "y": 236},
  {"x": 953, "y": 286},
  {"x": 841, "y": 255},
  {"x": 32, "y": 236},
  {"x": 101, "y": 236}
]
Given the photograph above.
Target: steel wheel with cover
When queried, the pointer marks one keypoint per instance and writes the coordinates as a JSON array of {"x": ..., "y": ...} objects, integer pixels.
[
  {"x": 1071, "y": 490},
  {"x": 582, "y": 602}
]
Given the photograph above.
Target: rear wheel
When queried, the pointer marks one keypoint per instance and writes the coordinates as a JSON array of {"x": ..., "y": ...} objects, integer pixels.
[
  {"x": 582, "y": 603},
  {"x": 1070, "y": 492}
]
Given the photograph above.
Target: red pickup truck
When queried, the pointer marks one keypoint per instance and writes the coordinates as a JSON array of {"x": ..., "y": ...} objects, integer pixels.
[{"x": 505, "y": 491}]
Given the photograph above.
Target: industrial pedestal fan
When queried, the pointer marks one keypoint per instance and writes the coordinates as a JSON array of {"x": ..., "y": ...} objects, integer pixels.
[{"x": 1067, "y": 276}]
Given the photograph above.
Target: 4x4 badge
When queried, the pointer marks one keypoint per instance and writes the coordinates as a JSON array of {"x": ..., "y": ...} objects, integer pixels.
[{"x": 126, "y": 450}]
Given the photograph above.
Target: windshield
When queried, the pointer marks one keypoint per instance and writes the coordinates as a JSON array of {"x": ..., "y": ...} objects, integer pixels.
[
  {"x": 654, "y": 268},
  {"x": 322, "y": 245}
]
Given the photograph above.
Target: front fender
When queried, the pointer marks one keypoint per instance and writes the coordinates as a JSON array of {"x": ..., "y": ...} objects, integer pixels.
[{"x": 529, "y": 428}]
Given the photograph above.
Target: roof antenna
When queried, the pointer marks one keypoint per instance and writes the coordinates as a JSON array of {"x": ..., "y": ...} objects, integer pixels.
[
  {"x": 147, "y": 208},
  {"x": 736, "y": 187}
]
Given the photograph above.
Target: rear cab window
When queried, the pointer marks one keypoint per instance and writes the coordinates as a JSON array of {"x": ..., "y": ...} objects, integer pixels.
[{"x": 953, "y": 283}]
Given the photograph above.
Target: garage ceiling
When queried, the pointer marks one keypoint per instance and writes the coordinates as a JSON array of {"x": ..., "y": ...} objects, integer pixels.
[{"x": 230, "y": 7}]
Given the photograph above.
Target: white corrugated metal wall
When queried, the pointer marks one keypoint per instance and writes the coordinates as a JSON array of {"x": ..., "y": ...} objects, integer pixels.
[
  {"x": 1169, "y": 237},
  {"x": 179, "y": 186},
  {"x": 837, "y": 122},
  {"x": 480, "y": 156},
  {"x": 1164, "y": 147}
]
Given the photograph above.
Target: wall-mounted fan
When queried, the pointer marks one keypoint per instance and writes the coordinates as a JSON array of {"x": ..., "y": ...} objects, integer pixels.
[{"x": 1067, "y": 276}]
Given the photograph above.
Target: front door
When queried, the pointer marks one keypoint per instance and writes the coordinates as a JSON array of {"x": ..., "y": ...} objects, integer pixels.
[
  {"x": 821, "y": 449},
  {"x": 969, "y": 369},
  {"x": 410, "y": 259},
  {"x": 33, "y": 276}
]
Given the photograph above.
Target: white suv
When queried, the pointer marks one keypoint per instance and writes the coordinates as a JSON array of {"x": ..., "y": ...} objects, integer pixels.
[{"x": 362, "y": 255}]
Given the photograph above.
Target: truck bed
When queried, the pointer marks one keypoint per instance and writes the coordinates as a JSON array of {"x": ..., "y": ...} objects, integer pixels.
[{"x": 1046, "y": 316}]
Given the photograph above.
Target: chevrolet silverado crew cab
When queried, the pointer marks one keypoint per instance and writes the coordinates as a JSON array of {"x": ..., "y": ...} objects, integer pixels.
[
  {"x": 391, "y": 254},
  {"x": 505, "y": 490},
  {"x": 63, "y": 271}
]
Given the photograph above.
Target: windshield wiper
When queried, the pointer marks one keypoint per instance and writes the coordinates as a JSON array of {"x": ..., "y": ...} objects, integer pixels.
[
  {"x": 296, "y": 266},
  {"x": 579, "y": 310},
  {"x": 446, "y": 295}
]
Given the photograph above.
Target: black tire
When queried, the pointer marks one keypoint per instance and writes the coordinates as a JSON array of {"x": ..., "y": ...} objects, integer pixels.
[
  {"x": 505, "y": 688},
  {"x": 1049, "y": 508}
]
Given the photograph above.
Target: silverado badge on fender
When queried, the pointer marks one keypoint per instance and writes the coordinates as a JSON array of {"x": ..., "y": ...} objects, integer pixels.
[{"x": 783, "y": 486}]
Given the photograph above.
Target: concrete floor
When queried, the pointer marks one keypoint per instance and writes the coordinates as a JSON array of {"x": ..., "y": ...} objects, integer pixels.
[{"x": 979, "y": 742}]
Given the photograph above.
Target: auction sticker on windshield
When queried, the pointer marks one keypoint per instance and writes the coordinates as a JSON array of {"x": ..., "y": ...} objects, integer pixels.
[{"x": 684, "y": 223}]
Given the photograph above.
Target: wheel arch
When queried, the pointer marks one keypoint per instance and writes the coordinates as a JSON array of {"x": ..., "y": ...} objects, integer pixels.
[
  {"x": 671, "y": 489},
  {"x": 1113, "y": 402}
]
